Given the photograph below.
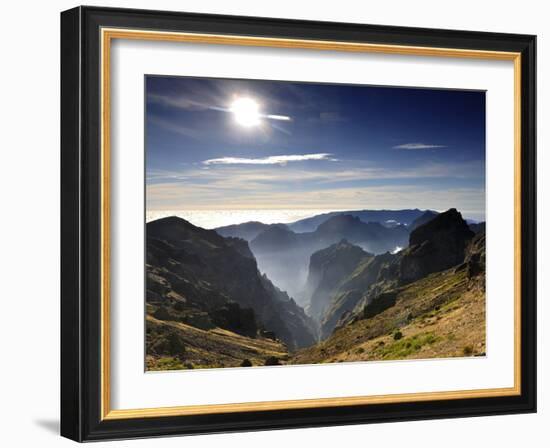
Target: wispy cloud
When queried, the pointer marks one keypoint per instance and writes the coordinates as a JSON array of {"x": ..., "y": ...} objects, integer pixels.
[
  {"x": 271, "y": 160},
  {"x": 418, "y": 146},
  {"x": 219, "y": 174},
  {"x": 180, "y": 102},
  {"x": 172, "y": 127}
]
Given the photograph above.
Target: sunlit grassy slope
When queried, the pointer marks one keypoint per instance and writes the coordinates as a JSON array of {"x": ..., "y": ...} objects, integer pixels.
[
  {"x": 441, "y": 315},
  {"x": 211, "y": 348}
]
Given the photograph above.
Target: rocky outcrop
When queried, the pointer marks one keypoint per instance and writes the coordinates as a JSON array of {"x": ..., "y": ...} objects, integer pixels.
[
  {"x": 435, "y": 246},
  {"x": 474, "y": 260}
]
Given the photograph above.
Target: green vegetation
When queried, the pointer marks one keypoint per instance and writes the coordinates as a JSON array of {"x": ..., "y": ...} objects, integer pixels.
[
  {"x": 446, "y": 305},
  {"x": 404, "y": 347},
  {"x": 169, "y": 363},
  {"x": 176, "y": 345}
]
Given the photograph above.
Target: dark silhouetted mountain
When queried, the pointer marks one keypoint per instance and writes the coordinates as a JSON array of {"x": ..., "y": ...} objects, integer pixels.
[
  {"x": 477, "y": 227},
  {"x": 435, "y": 246},
  {"x": 203, "y": 279},
  {"x": 427, "y": 216},
  {"x": 389, "y": 218},
  {"x": 247, "y": 231}
]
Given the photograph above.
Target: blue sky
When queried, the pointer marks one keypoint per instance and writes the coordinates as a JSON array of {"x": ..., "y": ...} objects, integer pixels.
[{"x": 241, "y": 144}]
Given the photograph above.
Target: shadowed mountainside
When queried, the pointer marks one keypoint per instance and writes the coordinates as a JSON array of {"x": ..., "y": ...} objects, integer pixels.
[
  {"x": 197, "y": 278},
  {"x": 427, "y": 216}
]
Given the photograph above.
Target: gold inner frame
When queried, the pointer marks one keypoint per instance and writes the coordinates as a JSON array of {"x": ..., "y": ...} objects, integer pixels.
[{"x": 107, "y": 35}]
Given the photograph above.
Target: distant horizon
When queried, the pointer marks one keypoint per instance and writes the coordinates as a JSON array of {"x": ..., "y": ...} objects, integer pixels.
[{"x": 211, "y": 219}]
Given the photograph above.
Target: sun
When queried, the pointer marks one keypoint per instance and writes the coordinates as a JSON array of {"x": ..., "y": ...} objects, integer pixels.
[{"x": 246, "y": 112}]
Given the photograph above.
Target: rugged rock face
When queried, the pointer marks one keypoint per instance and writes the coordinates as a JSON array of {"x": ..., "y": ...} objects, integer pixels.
[
  {"x": 474, "y": 260},
  {"x": 437, "y": 245},
  {"x": 203, "y": 279},
  {"x": 327, "y": 269}
]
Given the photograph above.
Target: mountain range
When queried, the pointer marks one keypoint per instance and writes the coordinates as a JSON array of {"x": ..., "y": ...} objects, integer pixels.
[
  {"x": 283, "y": 250},
  {"x": 226, "y": 297}
]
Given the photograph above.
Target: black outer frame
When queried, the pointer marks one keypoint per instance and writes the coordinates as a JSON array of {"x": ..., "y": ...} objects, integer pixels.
[{"x": 80, "y": 223}]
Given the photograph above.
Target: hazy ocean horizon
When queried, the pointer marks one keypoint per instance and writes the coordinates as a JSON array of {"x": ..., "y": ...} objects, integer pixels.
[{"x": 210, "y": 219}]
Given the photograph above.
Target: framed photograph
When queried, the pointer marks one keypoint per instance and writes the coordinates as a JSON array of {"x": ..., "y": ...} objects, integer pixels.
[{"x": 276, "y": 224}]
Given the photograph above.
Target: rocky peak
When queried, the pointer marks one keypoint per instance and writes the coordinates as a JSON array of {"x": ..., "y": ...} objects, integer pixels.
[
  {"x": 427, "y": 216},
  {"x": 435, "y": 246}
]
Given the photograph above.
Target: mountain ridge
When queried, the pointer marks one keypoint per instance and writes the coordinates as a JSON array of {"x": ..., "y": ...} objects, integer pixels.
[{"x": 198, "y": 277}]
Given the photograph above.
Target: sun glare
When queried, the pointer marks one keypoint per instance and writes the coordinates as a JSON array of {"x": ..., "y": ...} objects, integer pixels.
[{"x": 246, "y": 112}]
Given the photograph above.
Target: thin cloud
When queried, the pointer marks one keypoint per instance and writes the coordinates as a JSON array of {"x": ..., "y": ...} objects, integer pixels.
[
  {"x": 271, "y": 160},
  {"x": 169, "y": 126},
  {"x": 180, "y": 102},
  {"x": 418, "y": 146}
]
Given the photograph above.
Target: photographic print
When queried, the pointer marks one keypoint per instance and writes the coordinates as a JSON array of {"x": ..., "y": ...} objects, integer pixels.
[{"x": 304, "y": 223}]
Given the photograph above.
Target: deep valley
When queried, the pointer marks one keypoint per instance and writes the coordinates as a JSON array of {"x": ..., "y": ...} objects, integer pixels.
[{"x": 339, "y": 287}]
